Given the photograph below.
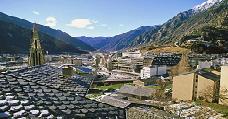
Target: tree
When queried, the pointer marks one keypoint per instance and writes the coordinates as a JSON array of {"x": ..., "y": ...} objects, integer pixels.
[
  {"x": 160, "y": 93},
  {"x": 97, "y": 61},
  {"x": 182, "y": 66},
  {"x": 198, "y": 47}
]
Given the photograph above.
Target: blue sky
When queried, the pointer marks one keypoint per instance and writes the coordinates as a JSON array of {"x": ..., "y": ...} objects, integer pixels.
[{"x": 96, "y": 17}]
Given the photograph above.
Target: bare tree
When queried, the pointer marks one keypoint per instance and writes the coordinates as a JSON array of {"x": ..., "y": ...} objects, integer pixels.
[{"x": 182, "y": 66}]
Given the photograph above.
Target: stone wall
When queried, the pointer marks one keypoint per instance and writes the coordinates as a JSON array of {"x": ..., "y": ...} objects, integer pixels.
[{"x": 142, "y": 113}]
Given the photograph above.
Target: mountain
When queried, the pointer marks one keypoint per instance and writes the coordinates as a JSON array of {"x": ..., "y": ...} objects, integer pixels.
[
  {"x": 126, "y": 40},
  {"x": 96, "y": 42},
  {"x": 208, "y": 18},
  {"x": 16, "y": 39},
  {"x": 206, "y": 5},
  {"x": 120, "y": 41},
  {"x": 166, "y": 31},
  {"x": 208, "y": 25},
  {"x": 57, "y": 34}
]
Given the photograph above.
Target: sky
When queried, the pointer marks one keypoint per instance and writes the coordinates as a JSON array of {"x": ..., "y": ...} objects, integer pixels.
[{"x": 96, "y": 17}]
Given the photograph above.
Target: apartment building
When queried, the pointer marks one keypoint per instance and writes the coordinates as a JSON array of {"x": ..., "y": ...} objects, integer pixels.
[
  {"x": 224, "y": 85},
  {"x": 154, "y": 70},
  {"x": 196, "y": 85}
]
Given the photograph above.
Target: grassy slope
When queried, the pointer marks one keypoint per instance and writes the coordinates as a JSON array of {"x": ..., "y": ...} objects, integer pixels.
[{"x": 217, "y": 107}]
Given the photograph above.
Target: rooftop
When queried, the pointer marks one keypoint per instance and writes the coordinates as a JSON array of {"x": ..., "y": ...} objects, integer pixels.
[
  {"x": 115, "y": 102},
  {"x": 38, "y": 92},
  {"x": 167, "y": 60},
  {"x": 138, "y": 91},
  {"x": 208, "y": 75},
  {"x": 84, "y": 69}
]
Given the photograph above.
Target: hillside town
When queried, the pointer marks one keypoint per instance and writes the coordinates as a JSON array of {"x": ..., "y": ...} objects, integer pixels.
[
  {"x": 126, "y": 84},
  {"x": 108, "y": 63}
]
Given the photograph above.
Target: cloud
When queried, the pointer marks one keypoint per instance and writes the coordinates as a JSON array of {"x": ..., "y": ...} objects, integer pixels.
[
  {"x": 90, "y": 27},
  {"x": 36, "y": 12},
  {"x": 121, "y": 25},
  {"x": 95, "y": 21},
  {"x": 104, "y": 25},
  {"x": 51, "y": 21},
  {"x": 81, "y": 23}
]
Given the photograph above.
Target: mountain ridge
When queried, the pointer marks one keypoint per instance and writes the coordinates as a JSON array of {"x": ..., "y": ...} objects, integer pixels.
[
  {"x": 16, "y": 39},
  {"x": 185, "y": 25},
  {"x": 194, "y": 26},
  {"x": 117, "y": 42},
  {"x": 164, "y": 34},
  {"x": 57, "y": 34},
  {"x": 206, "y": 5}
]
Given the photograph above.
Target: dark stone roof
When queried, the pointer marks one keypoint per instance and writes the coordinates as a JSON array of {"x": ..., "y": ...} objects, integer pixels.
[
  {"x": 208, "y": 75},
  {"x": 137, "y": 91},
  {"x": 167, "y": 60},
  {"x": 115, "y": 102},
  {"x": 48, "y": 76},
  {"x": 38, "y": 92},
  {"x": 84, "y": 69}
]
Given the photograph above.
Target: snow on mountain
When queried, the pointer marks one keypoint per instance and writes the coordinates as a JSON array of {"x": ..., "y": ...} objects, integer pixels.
[{"x": 206, "y": 5}]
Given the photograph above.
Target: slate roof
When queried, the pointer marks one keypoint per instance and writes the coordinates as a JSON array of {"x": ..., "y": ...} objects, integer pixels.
[
  {"x": 37, "y": 92},
  {"x": 167, "y": 60},
  {"x": 84, "y": 69},
  {"x": 208, "y": 75},
  {"x": 115, "y": 102},
  {"x": 127, "y": 89},
  {"x": 138, "y": 91},
  {"x": 48, "y": 76}
]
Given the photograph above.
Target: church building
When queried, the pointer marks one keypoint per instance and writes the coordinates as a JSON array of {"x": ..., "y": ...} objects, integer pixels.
[{"x": 36, "y": 56}]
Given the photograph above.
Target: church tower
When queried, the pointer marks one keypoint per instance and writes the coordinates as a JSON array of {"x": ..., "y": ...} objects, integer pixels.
[{"x": 36, "y": 56}]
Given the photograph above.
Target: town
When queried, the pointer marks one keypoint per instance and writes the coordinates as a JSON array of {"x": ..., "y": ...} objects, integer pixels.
[
  {"x": 114, "y": 59},
  {"x": 125, "y": 84}
]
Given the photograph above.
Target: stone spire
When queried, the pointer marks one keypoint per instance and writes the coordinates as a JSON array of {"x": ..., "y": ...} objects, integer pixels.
[{"x": 36, "y": 56}]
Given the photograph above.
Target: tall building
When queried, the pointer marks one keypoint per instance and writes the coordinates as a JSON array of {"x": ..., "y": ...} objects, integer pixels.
[
  {"x": 224, "y": 86},
  {"x": 196, "y": 85},
  {"x": 36, "y": 56}
]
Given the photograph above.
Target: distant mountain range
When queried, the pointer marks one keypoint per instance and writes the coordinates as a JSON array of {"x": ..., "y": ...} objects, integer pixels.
[
  {"x": 55, "y": 34},
  {"x": 207, "y": 21},
  {"x": 120, "y": 41},
  {"x": 96, "y": 42}
]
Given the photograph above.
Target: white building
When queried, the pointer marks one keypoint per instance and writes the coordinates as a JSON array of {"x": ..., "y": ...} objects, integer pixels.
[
  {"x": 220, "y": 61},
  {"x": 224, "y": 61},
  {"x": 204, "y": 64},
  {"x": 69, "y": 60},
  {"x": 155, "y": 70},
  {"x": 135, "y": 54},
  {"x": 48, "y": 58}
]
